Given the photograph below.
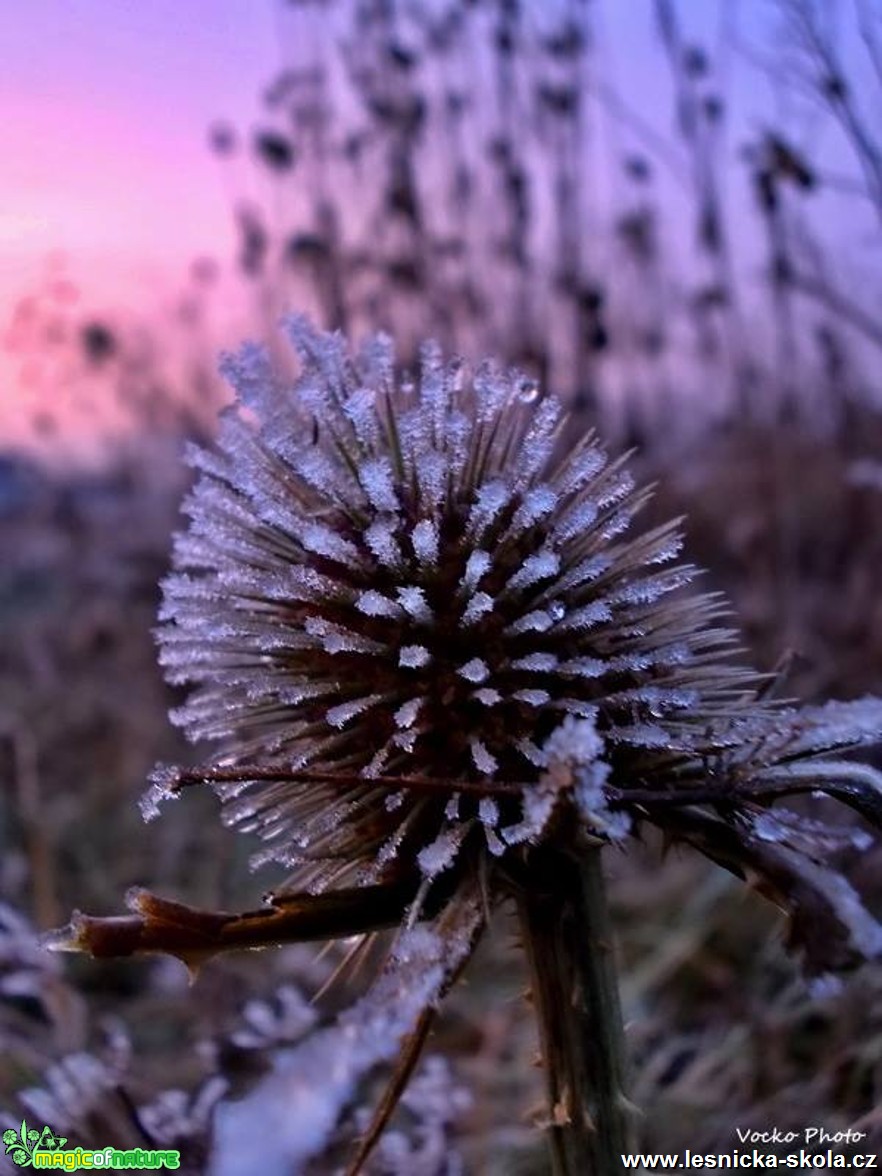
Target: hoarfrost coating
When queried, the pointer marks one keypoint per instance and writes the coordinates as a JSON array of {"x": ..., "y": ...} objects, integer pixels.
[{"x": 386, "y": 577}]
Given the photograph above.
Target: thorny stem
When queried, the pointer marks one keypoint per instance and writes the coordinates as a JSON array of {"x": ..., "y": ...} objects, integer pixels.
[{"x": 567, "y": 935}]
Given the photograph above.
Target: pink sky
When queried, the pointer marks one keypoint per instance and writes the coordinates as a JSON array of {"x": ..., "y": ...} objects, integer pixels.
[
  {"x": 106, "y": 104},
  {"x": 105, "y": 109}
]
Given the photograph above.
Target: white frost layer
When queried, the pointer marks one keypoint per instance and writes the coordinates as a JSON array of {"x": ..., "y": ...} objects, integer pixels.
[{"x": 300, "y": 1102}]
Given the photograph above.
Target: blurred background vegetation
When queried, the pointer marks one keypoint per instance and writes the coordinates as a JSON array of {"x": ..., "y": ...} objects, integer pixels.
[{"x": 466, "y": 169}]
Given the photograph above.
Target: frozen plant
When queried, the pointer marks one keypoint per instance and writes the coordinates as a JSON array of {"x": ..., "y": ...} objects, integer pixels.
[{"x": 443, "y": 671}]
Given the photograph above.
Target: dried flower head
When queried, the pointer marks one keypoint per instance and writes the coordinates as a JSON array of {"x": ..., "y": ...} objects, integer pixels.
[
  {"x": 388, "y": 579},
  {"x": 419, "y": 623}
]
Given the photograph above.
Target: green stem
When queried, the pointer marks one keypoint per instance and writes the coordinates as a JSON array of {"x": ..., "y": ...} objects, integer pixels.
[{"x": 567, "y": 934}]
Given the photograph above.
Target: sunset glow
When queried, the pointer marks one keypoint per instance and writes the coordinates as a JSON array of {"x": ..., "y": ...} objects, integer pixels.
[{"x": 105, "y": 162}]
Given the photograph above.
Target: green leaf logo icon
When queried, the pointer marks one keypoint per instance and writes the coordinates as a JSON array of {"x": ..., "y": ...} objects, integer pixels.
[{"x": 22, "y": 1145}]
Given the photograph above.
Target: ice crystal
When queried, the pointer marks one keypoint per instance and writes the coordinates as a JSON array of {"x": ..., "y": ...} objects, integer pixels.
[
  {"x": 440, "y": 853},
  {"x": 474, "y": 671},
  {"x": 414, "y": 656}
]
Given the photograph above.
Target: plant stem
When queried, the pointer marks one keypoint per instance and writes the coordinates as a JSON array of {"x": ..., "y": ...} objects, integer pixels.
[{"x": 567, "y": 934}]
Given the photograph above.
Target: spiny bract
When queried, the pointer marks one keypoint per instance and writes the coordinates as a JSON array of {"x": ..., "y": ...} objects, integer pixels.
[{"x": 391, "y": 578}]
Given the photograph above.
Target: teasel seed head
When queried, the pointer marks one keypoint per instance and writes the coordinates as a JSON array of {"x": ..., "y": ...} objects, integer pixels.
[{"x": 422, "y": 626}]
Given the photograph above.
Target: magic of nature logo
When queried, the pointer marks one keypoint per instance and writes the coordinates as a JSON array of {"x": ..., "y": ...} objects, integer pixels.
[{"x": 30, "y": 1148}]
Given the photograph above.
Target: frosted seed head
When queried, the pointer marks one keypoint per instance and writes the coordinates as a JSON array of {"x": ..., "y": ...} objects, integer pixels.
[
  {"x": 582, "y": 470},
  {"x": 534, "y": 698},
  {"x": 531, "y": 752},
  {"x": 322, "y": 540},
  {"x": 537, "y": 621},
  {"x": 586, "y": 617},
  {"x": 584, "y": 667},
  {"x": 345, "y": 712},
  {"x": 431, "y": 470},
  {"x": 389, "y": 580},
  {"x": 334, "y": 638},
  {"x": 488, "y": 811},
  {"x": 163, "y": 782},
  {"x": 575, "y": 742},
  {"x": 413, "y": 601},
  {"x": 538, "y": 803},
  {"x": 251, "y": 374},
  {"x": 439, "y": 854},
  {"x": 537, "y": 662},
  {"x": 407, "y": 713},
  {"x": 538, "y": 503},
  {"x": 490, "y": 500},
  {"x": 536, "y": 568},
  {"x": 361, "y": 411},
  {"x": 575, "y": 522},
  {"x": 316, "y": 468}
]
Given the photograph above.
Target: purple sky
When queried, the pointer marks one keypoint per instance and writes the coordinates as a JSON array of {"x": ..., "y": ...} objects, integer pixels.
[
  {"x": 106, "y": 104},
  {"x": 105, "y": 107},
  {"x": 104, "y": 154}
]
